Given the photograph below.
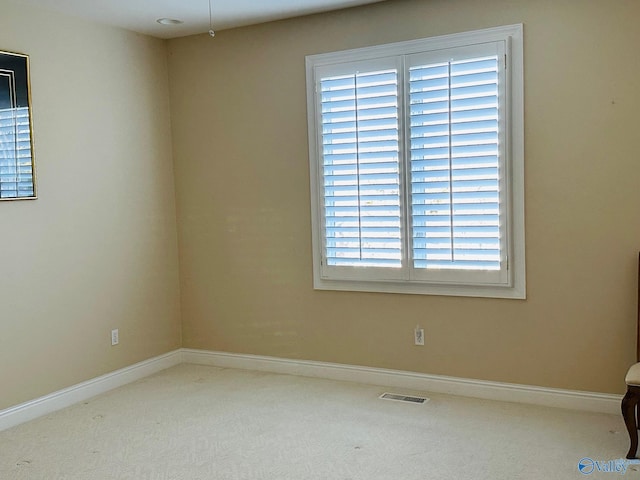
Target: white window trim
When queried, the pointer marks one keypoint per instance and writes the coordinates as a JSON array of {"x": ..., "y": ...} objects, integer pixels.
[{"x": 515, "y": 287}]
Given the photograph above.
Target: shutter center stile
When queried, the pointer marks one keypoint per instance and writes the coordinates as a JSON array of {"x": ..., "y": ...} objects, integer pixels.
[
  {"x": 449, "y": 135},
  {"x": 358, "y": 179}
]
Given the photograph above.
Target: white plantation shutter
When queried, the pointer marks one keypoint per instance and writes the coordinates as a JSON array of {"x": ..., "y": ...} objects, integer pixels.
[
  {"x": 456, "y": 160},
  {"x": 416, "y": 173},
  {"x": 16, "y": 170},
  {"x": 360, "y": 161}
]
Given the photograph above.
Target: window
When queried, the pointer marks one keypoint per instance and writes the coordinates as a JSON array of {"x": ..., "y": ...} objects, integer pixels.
[{"x": 417, "y": 166}]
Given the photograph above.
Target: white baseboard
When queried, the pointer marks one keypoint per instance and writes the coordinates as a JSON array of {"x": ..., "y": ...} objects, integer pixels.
[
  {"x": 24, "y": 412},
  {"x": 509, "y": 392}
]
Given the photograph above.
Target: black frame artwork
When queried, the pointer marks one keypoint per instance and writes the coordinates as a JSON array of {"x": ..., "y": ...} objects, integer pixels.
[{"x": 17, "y": 166}]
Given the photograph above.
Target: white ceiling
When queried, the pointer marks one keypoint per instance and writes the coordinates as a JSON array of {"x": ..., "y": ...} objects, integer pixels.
[{"x": 141, "y": 15}]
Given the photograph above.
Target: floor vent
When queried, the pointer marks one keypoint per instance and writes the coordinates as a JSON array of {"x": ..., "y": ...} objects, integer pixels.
[{"x": 403, "y": 398}]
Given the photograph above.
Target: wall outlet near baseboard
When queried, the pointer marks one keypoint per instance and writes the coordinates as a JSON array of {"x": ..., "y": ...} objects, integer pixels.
[
  {"x": 418, "y": 335},
  {"x": 115, "y": 337}
]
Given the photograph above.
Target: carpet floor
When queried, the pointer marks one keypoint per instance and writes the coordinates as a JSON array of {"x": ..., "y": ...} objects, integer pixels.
[{"x": 196, "y": 422}]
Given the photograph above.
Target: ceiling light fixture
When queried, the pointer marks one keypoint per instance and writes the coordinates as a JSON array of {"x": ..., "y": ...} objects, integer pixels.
[
  {"x": 169, "y": 21},
  {"x": 211, "y": 32}
]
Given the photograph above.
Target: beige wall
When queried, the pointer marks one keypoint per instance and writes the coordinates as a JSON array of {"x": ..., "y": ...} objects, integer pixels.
[
  {"x": 240, "y": 152},
  {"x": 98, "y": 249}
]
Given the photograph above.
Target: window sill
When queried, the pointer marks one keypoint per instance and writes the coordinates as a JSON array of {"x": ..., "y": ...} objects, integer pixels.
[{"x": 516, "y": 292}]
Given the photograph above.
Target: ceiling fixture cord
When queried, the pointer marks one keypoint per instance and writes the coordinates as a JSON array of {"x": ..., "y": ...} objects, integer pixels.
[{"x": 211, "y": 32}]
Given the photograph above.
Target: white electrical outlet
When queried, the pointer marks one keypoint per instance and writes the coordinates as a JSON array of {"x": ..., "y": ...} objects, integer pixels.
[
  {"x": 419, "y": 336},
  {"x": 115, "y": 337}
]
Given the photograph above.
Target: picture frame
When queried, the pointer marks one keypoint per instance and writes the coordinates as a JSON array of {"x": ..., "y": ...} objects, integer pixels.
[{"x": 17, "y": 163}]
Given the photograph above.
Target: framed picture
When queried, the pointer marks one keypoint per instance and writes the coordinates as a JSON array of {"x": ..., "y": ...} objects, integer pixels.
[{"x": 17, "y": 168}]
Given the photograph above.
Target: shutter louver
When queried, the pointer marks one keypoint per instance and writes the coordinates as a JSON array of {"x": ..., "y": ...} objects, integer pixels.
[
  {"x": 16, "y": 166},
  {"x": 455, "y": 183},
  {"x": 360, "y": 162}
]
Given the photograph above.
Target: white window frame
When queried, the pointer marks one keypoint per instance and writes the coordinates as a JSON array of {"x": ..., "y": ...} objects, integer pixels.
[{"x": 513, "y": 283}]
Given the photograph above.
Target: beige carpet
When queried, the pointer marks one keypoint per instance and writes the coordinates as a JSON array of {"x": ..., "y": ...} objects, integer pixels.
[{"x": 196, "y": 422}]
